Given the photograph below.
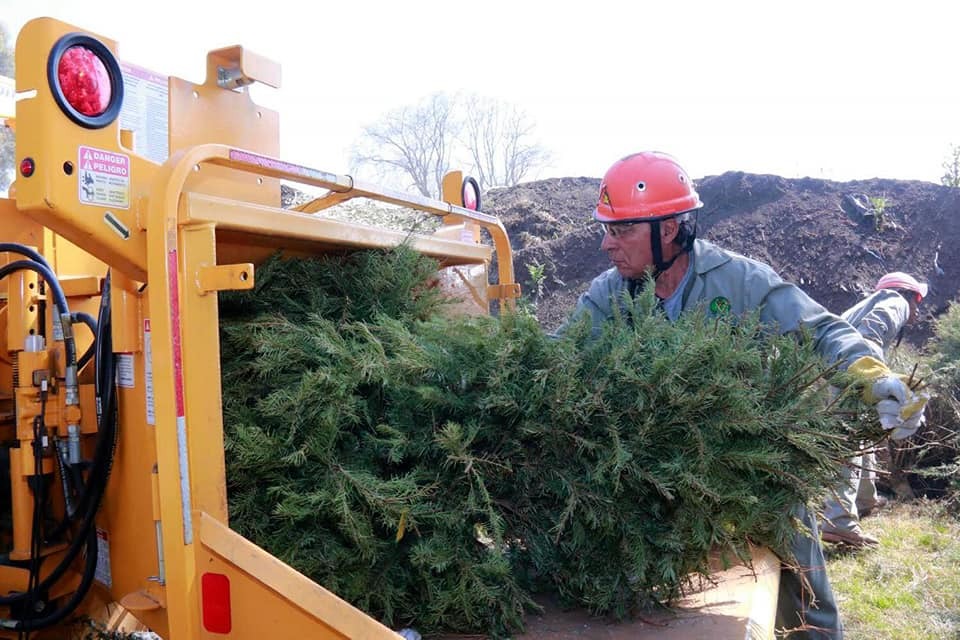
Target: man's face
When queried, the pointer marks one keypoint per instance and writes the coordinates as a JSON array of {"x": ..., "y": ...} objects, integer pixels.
[
  {"x": 914, "y": 304},
  {"x": 628, "y": 246}
]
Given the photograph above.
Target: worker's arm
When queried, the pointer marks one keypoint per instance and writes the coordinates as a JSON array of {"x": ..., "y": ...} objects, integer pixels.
[
  {"x": 789, "y": 308},
  {"x": 596, "y": 302},
  {"x": 900, "y": 409},
  {"x": 887, "y": 316}
]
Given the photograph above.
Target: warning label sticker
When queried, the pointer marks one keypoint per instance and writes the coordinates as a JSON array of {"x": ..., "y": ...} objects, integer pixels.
[
  {"x": 148, "y": 371},
  {"x": 125, "y": 377},
  {"x": 104, "y": 178},
  {"x": 102, "y": 573},
  {"x": 146, "y": 100}
]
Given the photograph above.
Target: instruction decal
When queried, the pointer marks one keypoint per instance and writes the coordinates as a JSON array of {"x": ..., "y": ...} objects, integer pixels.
[
  {"x": 102, "y": 572},
  {"x": 148, "y": 371},
  {"x": 146, "y": 103},
  {"x": 124, "y": 373},
  {"x": 104, "y": 178}
]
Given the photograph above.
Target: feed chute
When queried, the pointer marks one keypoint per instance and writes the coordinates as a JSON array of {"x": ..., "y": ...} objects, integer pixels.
[{"x": 137, "y": 198}]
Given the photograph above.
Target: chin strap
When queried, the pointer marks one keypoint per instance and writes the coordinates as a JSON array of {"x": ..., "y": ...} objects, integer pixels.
[{"x": 659, "y": 266}]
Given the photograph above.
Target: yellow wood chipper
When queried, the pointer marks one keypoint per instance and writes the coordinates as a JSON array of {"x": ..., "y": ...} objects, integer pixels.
[{"x": 138, "y": 197}]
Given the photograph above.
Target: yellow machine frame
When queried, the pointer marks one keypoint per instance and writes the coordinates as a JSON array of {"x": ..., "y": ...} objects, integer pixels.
[{"x": 175, "y": 233}]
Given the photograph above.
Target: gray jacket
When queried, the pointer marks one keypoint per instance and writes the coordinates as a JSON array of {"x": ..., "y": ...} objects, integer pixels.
[
  {"x": 726, "y": 282},
  {"x": 880, "y": 318}
]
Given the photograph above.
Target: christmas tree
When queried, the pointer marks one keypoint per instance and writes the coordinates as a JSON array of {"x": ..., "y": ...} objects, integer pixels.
[{"x": 443, "y": 471}]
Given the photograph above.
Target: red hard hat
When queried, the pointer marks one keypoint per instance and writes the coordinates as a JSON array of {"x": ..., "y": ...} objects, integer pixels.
[
  {"x": 645, "y": 186},
  {"x": 901, "y": 280}
]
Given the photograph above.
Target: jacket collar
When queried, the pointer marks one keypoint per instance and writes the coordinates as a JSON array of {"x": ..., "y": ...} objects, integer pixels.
[{"x": 707, "y": 256}]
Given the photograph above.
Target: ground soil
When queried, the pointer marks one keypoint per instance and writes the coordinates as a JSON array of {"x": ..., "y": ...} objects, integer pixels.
[{"x": 819, "y": 234}]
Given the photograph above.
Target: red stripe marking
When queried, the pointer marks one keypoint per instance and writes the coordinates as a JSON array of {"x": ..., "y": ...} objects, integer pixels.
[{"x": 173, "y": 280}]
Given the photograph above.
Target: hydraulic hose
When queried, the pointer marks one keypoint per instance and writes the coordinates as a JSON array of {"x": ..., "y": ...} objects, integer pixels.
[
  {"x": 95, "y": 487},
  {"x": 12, "y": 247},
  {"x": 104, "y": 389},
  {"x": 61, "y": 301},
  {"x": 89, "y": 571},
  {"x": 91, "y": 322}
]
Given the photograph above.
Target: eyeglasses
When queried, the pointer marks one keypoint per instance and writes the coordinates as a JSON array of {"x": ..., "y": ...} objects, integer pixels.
[{"x": 618, "y": 229}]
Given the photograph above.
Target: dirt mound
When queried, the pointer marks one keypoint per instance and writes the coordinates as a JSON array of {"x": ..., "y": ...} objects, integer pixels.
[{"x": 834, "y": 239}]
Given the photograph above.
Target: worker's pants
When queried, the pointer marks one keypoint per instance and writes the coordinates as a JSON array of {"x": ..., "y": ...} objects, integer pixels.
[
  {"x": 806, "y": 601},
  {"x": 856, "y": 493}
]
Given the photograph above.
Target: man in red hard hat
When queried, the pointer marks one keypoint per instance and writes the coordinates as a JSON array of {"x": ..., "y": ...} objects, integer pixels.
[
  {"x": 881, "y": 318},
  {"x": 647, "y": 206}
]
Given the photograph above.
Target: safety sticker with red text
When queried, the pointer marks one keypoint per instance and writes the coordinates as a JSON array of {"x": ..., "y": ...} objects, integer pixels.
[
  {"x": 102, "y": 573},
  {"x": 104, "y": 178}
]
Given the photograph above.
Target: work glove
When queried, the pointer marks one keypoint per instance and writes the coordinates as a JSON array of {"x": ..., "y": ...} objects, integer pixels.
[
  {"x": 901, "y": 429},
  {"x": 899, "y": 407}
]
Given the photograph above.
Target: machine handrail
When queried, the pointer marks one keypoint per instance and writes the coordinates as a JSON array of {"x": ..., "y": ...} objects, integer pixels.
[{"x": 175, "y": 171}]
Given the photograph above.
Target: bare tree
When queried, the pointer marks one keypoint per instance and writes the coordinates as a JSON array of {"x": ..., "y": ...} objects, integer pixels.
[
  {"x": 951, "y": 168},
  {"x": 492, "y": 139},
  {"x": 499, "y": 137},
  {"x": 413, "y": 141},
  {"x": 7, "y": 145}
]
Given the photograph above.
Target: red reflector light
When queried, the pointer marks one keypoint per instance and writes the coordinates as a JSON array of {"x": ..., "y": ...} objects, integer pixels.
[
  {"x": 84, "y": 81},
  {"x": 215, "y": 595},
  {"x": 470, "y": 194},
  {"x": 27, "y": 167}
]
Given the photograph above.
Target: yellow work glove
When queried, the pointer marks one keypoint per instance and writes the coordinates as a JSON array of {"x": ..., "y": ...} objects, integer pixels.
[{"x": 899, "y": 407}]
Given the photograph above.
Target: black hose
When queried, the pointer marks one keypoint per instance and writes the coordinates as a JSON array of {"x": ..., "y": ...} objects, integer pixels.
[
  {"x": 24, "y": 250},
  {"x": 91, "y": 322},
  {"x": 106, "y": 445},
  {"x": 86, "y": 581},
  {"x": 58, "y": 297},
  {"x": 104, "y": 335},
  {"x": 38, "y": 509},
  {"x": 85, "y": 318},
  {"x": 103, "y": 458},
  {"x": 105, "y": 365},
  {"x": 96, "y": 492},
  {"x": 105, "y": 390}
]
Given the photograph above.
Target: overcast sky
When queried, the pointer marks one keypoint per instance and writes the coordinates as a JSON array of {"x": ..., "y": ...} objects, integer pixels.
[{"x": 839, "y": 89}]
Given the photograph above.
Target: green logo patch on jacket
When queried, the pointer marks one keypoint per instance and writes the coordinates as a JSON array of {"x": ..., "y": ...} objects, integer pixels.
[{"x": 719, "y": 306}]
